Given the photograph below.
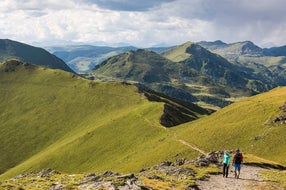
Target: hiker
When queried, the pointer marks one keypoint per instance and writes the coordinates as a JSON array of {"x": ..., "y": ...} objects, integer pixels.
[
  {"x": 226, "y": 162},
  {"x": 236, "y": 162}
]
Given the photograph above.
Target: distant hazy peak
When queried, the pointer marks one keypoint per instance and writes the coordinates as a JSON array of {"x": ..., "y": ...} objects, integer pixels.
[{"x": 217, "y": 43}]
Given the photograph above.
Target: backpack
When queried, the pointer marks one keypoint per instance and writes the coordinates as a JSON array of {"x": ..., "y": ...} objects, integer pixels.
[{"x": 238, "y": 158}]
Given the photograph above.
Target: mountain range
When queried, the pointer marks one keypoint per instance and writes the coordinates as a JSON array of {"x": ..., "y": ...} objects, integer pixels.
[
  {"x": 268, "y": 64},
  {"x": 135, "y": 116},
  {"x": 242, "y": 69},
  {"x": 83, "y": 58},
  {"x": 192, "y": 73},
  {"x": 211, "y": 74},
  {"x": 246, "y": 48}
]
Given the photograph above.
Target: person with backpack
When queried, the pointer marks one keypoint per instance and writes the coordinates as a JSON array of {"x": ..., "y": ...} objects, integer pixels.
[
  {"x": 236, "y": 162},
  {"x": 226, "y": 162}
]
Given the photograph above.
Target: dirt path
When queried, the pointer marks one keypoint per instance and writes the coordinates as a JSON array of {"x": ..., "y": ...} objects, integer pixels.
[
  {"x": 249, "y": 179},
  {"x": 189, "y": 145}
]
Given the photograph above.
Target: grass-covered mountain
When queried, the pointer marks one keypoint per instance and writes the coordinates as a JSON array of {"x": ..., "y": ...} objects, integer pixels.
[
  {"x": 188, "y": 72},
  {"x": 217, "y": 68},
  {"x": 83, "y": 58},
  {"x": 10, "y": 49},
  {"x": 51, "y": 118}
]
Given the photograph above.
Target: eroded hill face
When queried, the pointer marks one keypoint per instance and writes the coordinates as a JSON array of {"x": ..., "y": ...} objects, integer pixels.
[{"x": 51, "y": 118}]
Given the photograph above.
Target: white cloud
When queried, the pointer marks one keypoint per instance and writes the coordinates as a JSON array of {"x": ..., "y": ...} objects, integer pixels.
[{"x": 151, "y": 22}]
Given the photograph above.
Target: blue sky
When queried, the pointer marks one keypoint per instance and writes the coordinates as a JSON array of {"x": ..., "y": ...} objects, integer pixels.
[{"x": 143, "y": 23}]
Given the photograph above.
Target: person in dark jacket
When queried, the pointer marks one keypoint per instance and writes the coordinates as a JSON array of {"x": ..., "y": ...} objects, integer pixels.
[{"x": 237, "y": 162}]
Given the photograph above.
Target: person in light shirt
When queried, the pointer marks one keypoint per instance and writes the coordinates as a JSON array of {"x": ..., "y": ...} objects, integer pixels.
[{"x": 226, "y": 162}]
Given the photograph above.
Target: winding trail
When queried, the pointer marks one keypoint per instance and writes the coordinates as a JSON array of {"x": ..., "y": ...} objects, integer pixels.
[
  {"x": 189, "y": 145},
  {"x": 192, "y": 146},
  {"x": 249, "y": 179}
]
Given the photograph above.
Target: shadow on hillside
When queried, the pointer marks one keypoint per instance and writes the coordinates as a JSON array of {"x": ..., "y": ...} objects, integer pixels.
[
  {"x": 267, "y": 166},
  {"x": 175, "y": 111}
]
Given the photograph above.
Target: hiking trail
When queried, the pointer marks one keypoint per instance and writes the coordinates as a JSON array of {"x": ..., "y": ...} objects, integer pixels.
[
  {"x": 189, "y": 145},
  {"x": 249, "y": 179}
]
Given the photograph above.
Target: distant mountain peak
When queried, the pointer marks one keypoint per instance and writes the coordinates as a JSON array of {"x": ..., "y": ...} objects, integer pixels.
[
  {"x": 185, "y": 51},
  {"x": 188, "y": 43},
  {"x": 219, "y": 42},
  {"x": 214, "y": 43},
  {"x": 249, "y": 48}
]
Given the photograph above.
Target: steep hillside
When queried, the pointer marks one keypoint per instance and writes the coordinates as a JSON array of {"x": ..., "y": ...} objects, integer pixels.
[
  {"x": 248, "y": 125},
  {"x": 12, "y": 49},
  {"x": 140, "y": 65},
  {"x": 235, "y": 80},
  {"x": 50, "y": 118},
  {"x": 160, "y": 74},
  {"x": 216, "y": 67}
]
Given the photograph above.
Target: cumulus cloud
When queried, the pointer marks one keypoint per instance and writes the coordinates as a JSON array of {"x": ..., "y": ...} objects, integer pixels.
[
  {"x": 261, "y": 21},
  {"x": 144, "y": 23}
]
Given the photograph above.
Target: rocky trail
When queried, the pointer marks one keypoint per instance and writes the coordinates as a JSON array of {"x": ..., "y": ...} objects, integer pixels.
[{"x": 249, "y": 179}]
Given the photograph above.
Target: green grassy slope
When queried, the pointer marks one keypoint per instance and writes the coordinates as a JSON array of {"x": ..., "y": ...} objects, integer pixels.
[
  {"x": 246, "y": 125},
  {"x": 140, "y": 65},
  {"x": 51, "y": 118},
  {"x": 178, "y": 53}
]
